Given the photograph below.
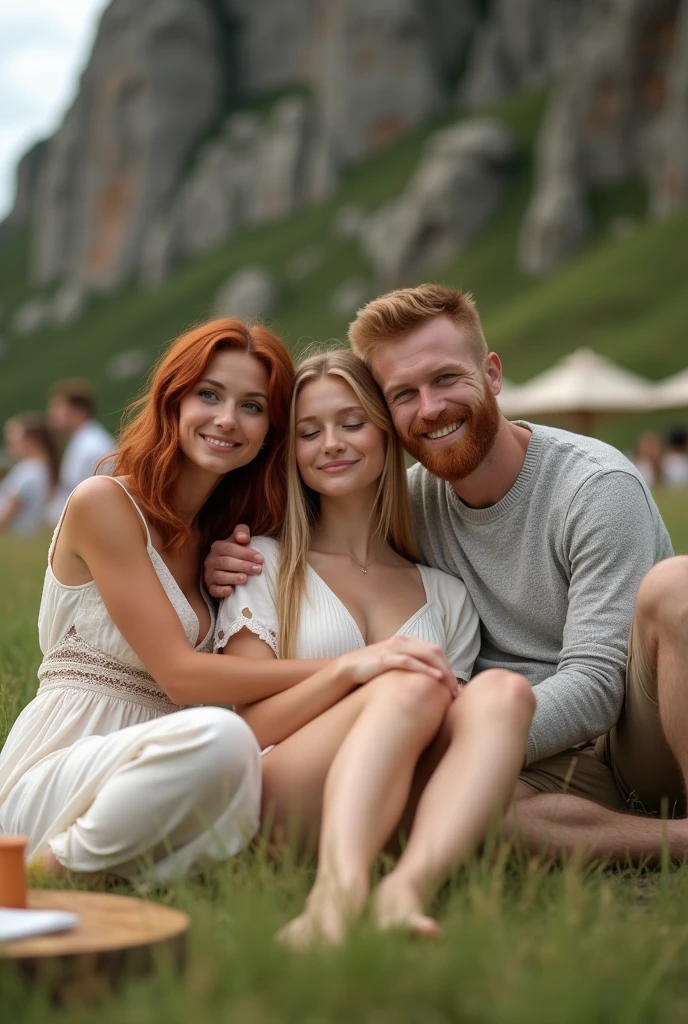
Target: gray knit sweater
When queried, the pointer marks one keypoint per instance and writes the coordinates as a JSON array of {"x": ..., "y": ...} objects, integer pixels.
[{"x": 553, "y": 569}]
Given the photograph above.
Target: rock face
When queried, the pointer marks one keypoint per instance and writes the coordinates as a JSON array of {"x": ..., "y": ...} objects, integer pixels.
[
  {"x": 557, "y": 220},
  {"x": 625, "y": 86},
  {"x": 521, "y": 45},
  {"x": 164, "y": 153},
  {"x": 668, "y": 171},
  {"x": 273, "y": 41},
  {"x": 450, "y": 197},
  {"x": 253, "y": 172},
  {"x": 374, "y": 77},
  {"x": 26, "y": 180},
  {"x": 151, "y": 87},
  {"x": 68, "y": 304},
  {"x": 32, "y": 315},
  {"x": 250, "y": 294}
]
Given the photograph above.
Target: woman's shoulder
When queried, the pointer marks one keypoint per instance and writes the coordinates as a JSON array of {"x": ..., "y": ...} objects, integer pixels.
[{"x": 103, "y": 503}]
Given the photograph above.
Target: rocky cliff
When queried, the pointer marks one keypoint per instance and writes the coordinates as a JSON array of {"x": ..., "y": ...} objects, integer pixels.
[{"x": 173, "y": 143}]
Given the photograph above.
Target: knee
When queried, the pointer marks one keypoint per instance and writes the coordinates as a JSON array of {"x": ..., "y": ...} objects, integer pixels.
[
  {"x": 505, "y": 693},
  {"x": 662, "y": 598},
  {"x": 229, "y": 749},
  {"x": 414, "y": 692}
]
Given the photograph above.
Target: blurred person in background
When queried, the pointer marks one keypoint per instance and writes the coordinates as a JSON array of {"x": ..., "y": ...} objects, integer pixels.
[
  {"x": 675, "y": 458},
  {"x": 647, "y": 457},
  {"x": 27, "y": 488},
  {"x": 71, "y": 408}
]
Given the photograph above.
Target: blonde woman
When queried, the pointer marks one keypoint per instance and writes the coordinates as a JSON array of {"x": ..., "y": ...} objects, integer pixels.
[{"x": 343, "y": 757}]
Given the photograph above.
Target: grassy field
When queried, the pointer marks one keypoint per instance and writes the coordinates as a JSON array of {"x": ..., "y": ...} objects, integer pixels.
[
  {"x": 521, "y": 945},
  {"x": 627, "y": 299}
]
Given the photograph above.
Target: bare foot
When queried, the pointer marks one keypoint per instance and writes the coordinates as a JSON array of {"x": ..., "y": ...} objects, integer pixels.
[
  {"x": 398, "y": 905},
  {"x": 326, "y": 920}
]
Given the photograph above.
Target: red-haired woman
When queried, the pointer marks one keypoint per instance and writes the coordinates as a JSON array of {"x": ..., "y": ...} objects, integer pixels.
[{"x": 96, "y": 771}]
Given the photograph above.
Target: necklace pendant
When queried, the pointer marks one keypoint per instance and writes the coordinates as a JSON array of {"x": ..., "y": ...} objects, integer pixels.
[{"x": 365, "y": 571}]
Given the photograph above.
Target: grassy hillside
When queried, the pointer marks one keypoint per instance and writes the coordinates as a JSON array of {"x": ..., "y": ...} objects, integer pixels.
[{"x": 626, "y": 299}]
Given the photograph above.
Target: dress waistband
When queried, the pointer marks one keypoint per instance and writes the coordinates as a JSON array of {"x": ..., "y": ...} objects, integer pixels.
[{"x": 73, "y": 664}]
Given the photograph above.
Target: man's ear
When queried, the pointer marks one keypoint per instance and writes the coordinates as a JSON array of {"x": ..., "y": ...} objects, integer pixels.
[{"x": 493, "y": 371}]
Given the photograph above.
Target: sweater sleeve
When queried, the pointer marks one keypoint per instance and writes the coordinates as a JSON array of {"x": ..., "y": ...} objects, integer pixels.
[{"x": 610, "y": 543}]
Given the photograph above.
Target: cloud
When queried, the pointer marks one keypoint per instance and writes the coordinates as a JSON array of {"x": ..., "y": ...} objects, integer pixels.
[{"x": 44, "y": 46}]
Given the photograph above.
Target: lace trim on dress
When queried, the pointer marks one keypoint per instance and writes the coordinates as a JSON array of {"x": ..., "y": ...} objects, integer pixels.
[
  {"x": 72, "y": 664},
  {"x": 259, "y": 628}
]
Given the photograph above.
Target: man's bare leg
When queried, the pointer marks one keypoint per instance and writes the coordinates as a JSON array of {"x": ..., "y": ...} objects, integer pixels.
[
  {"x": 556, "y": 824},
  {"x": 473, "y": 782}
]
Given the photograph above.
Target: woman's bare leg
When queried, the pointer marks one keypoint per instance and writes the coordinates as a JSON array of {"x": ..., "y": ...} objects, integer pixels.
[
  {"x": 366, "y": 790},
  {"x": 487, "y": 727}
]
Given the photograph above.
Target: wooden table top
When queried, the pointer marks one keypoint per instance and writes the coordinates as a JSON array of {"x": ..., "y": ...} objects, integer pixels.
[{"x": 108, "y": 923}]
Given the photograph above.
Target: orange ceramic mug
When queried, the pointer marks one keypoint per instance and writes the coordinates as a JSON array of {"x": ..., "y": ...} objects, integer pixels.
[{"x": 12, "y": 871}]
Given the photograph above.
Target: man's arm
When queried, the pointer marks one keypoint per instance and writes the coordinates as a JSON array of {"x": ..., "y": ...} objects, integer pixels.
[
  {"x": 229, "y": 562},
  {"x": 611, "y": 542}
]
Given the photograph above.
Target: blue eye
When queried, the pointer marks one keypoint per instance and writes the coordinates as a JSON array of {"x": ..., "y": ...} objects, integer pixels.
[
  {"x": 207, "y": 393},
  {"x": 253, "y": 407}
]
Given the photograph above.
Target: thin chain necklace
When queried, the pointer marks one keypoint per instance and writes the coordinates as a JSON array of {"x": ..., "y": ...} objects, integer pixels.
[{"x": 363, "y": 566}]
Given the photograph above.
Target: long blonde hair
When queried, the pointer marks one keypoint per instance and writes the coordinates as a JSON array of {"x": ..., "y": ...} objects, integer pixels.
[{"x": 391, "y": 512}]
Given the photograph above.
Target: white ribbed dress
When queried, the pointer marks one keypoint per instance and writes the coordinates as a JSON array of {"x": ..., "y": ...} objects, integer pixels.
[
  {"x": 104, "y": 769},
  {"x": 326, "y": 627}
]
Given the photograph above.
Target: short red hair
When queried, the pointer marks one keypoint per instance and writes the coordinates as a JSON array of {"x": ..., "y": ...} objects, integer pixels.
[
  {"x": 391, "y": 316},
  {"x": 149, "y": 451}
]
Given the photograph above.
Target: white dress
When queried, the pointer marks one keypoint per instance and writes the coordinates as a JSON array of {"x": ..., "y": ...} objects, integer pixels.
[
  {"x": 327, "y": 628},
  {"x": 104, "y": 769}
]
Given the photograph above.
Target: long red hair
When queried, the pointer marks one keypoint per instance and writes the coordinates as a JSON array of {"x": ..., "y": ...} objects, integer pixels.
[{"x": 149, "y": 452}]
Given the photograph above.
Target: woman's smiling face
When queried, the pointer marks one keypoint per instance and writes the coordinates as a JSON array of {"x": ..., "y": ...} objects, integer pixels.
[
  {"x": 223, "y": 419},
  {"x": 338, "y": 450}
]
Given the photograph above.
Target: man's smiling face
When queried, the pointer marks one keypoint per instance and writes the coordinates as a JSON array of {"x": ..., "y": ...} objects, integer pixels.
[{"x": 441, "y": 394}]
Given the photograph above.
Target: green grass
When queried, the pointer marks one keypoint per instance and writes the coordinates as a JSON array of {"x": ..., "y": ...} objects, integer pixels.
[{"x": 521, "y": 945}]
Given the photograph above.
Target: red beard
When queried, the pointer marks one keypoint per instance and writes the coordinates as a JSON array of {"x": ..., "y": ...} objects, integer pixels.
[{"x": 458, "y": 460}]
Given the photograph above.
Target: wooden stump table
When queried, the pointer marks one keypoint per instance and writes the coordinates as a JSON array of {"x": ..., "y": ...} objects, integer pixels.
[{"x": 114, "y": 934}]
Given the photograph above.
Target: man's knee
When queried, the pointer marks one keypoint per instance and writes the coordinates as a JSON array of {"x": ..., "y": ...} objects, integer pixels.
[{"x": 662, "y": 600}]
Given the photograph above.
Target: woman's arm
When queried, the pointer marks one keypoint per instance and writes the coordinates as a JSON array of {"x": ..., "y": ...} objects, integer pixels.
[
  {"x": 274, "y": 718},
  {"x": 102, "y": 531}
]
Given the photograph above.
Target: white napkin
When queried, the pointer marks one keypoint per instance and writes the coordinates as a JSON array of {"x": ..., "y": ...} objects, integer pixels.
[{"x": 25, "y": 924}]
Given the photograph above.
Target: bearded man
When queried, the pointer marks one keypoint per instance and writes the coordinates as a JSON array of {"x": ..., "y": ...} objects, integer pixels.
[{"x": 565, "y": 555}]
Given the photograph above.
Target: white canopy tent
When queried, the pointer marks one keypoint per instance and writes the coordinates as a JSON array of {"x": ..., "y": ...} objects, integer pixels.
[
  {"x": 582, "y": 386},
  {"x": 671, "y": 393}
]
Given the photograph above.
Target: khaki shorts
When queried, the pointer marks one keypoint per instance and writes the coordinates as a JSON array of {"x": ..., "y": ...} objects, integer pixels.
[{"x": 631, "y": 768}]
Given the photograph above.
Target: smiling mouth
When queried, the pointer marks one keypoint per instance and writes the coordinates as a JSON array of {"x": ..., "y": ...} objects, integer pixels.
[
  {"x": 333, "y": 467},
  {"x": 217, "y": 442},
  {"x": 444, "y": 431}
]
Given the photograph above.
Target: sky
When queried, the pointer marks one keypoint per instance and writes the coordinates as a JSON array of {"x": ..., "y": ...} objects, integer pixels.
[{"x": 44, "y": 46}]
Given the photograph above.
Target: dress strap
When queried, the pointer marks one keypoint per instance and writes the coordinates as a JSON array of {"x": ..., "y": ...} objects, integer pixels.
[{"x": 149, "y": 542}]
